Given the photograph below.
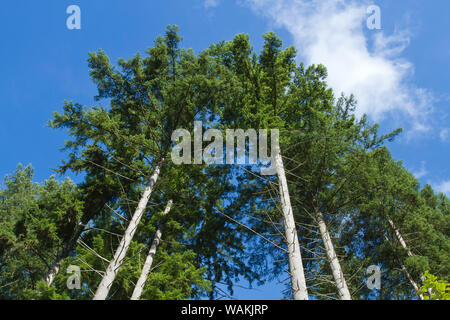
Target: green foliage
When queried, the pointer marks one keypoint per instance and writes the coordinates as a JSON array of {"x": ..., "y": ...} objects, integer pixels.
[
  {"x": 44, "y": 292},
  {"x": 325, "y": 147},
  {"x": 118, "y": 146},
  {"x": 35, "y": 221},
  {"x": 434, "y": 289},
  {"x": 336, "y": 163}
]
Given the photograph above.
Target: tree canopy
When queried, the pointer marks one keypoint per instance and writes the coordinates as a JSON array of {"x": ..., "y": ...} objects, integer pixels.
[{"x": 351, "y": 203}]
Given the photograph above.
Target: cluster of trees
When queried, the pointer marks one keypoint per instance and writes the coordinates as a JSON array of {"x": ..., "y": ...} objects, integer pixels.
[{"x": 140, "y": 227}]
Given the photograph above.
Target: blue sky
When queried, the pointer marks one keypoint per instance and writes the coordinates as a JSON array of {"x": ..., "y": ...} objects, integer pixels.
[{"x": 399, "y": 74}]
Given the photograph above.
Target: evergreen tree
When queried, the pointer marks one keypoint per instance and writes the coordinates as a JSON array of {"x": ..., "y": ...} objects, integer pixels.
[
  {"x": 337, "y": 201},
  {"x": 36, "y": 220}
]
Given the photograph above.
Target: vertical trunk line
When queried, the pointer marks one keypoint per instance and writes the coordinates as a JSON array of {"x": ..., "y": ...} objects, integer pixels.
[
  {"x": 408, "y": 275},
  {"x": 121, "y": 251},
  {"x": 139, "y": 288},
  {"x": 51, "y": 274},
  {"x": 338, "y": 275},
  {"x": 408, "y": 252},
  {"x": 298, "y": 282}
]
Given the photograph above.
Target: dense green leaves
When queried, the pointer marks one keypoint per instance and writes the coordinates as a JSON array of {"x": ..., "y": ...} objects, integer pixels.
[
  {"x": 35, "y": 222},
  {"x": 225, "y": 223},
  {"x": 435, "y": 289}
]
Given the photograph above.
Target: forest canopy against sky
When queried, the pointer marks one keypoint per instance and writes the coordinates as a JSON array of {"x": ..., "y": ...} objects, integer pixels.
[{"x": 360, "y": 182}]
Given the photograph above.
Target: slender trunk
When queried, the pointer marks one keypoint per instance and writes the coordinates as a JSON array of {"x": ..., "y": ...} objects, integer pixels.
[
  {"x": 338, "y": 275},
  {"x": 149, "y": 261},
  {"x": 298, "y": 282},
  {"x": 121, "y": 251},
  {"x": 408, "y": 251},
  {"x": 50, "y": 276},
  {"x": 400, "y": 237},
  {"x": 54, "y": 268},
  {"x": 403, "y": 242},
  {"x": 404, "y": 269},
  {"x": 411, "y": 280},
  {"x": 97, "y": 200}
]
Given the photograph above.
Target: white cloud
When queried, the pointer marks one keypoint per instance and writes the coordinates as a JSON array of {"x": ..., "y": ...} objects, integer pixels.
[
  {"x": 445, "y": 134},
  {"x": 211, "y": 3},
  {"x": 444, "y": 187},
  {"x": 331, "y": 32},
  {"x": 422, "y": 172}
]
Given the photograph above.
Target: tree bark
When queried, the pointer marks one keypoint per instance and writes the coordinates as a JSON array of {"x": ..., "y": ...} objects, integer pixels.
[
  {"x": 51, "y": 274},
  {"x": 408, "y": 251},
  {"x": 400, "y": 237},
  {"x": 403, "y": 243},
  {"x": 54, "y": 268},
  {"x": 338, "y": 275},
  {"x": 121, "y": 251},
  {"x": 97, "y": 201},
  {"x": 413, "y": 283},
  {"x": 149, "y": 261},
  {"x": 298, "y": 282},
  {"x": 404, "y": 269}
]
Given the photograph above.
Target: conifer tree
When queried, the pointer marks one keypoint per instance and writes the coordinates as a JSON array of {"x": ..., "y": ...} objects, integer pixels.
[
  {"x": 149, "y": 260},
  {"x": 36, "y": 221},
  {"x": 337, "y": 201}
]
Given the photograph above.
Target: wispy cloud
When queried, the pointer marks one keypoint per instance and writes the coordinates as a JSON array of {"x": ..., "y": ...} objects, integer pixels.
[
  {"x": 445, "y": 134},
  {"x": 444, "y": 187},
  {"x": 422, "y": 172},
  {"x": 332, "y": 32},
  {"x": 211, "y": 3}
]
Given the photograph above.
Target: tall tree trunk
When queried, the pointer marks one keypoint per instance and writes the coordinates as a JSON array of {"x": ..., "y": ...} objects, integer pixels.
[
  {"x": 54, "y": 268},
  {"x": 97, "y": 201},
  {"x": 411, "y": 280},
  {"x": 338, "y": 275},
  {"x": 405, "y": 270},
  {"x": 408, "y": 251},
  {"x": 51, "y": 274},
  {"x": 400, "y": 237},
  {"x": 298, "y": 282},
  {"x": 121, "y": 251},
  {"x": 402, "y": 242},
  {"x": 149, "y": 261}
]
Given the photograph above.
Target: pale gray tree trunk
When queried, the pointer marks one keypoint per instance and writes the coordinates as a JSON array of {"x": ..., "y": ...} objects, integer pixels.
[
  {"x": 409, "y": 253},
  {"x": 411, "y": 280},
  {"x": 121, "y": 251},
  {"x": 149, "y": 261},
  {"x": 336, "y": 270},
  {"x": 405, "y": 270},
  {"x": 298, "y": 282},
  {"x": 400, "y": 237},
  {"x": 54, "y": 269},
  {"x": 51, "y": 274}
]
